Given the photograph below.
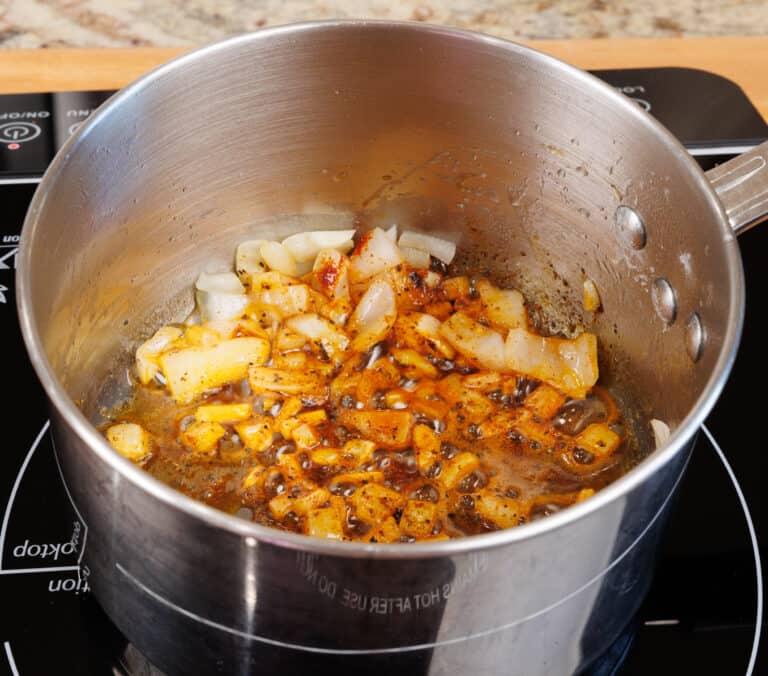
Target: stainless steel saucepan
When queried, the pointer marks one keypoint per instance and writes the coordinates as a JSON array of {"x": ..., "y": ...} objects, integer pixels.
[{"x": 541, "y": 173}]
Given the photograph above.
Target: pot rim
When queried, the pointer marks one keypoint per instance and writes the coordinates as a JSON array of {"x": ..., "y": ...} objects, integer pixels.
[{"x": 253, "y": 532}]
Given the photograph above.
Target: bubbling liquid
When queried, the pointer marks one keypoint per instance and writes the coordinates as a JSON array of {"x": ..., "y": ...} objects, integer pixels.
[{"x": 368, "y": 401}]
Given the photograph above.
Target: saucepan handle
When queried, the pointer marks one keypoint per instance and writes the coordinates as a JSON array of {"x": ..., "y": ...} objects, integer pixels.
[{"x": 742, "y": 186}]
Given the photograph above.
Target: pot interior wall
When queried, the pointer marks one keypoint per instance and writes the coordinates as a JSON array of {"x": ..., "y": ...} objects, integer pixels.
[{"x": 519, "y": 160}]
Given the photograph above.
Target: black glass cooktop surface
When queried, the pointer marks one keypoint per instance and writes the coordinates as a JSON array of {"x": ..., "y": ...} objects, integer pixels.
[{"x": 704, "y": 609}]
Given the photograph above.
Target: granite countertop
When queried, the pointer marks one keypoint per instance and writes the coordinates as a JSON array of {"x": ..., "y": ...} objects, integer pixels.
[{"x": 124, "y": 23}]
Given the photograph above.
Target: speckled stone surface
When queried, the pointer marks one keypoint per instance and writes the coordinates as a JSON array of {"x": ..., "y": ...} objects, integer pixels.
[{"x": 166, "y": 23}]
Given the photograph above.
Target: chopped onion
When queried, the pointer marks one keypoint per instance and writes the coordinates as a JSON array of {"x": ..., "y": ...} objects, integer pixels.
[
  {"x": 266, "y": 379},
  {"x": 220, "y": 296},
  {"x": 278, "y": 258},
  {"x": 341, "y": 240},
  {"x": 481, "y": 344},
  {"x": 304, "y": 246},
  {"x": 374, "y": 315},
  {"x": 219, "y": 282},
  {"x": 432, "y": 279},
  {"x": 303, "y": 267},
  {"x": 264, "y": 281},
  {"x": 224, "y": 329},
  {"x": 215, "y": 306},
  {"x": 317, "y": 328},
  {"x": 376, "y": 253},
  {"x": 441, "y": 249},
  {"x": 504, "y": 307},
  {"x": 415, "y": 257},
  {"x": 248, "y": 258},
  {"x": 591, "y": 296},
  {"x": 193, "y": 370},
  {"x": 129, "y": 439},
  {"x": 661, "y": 432},
  {"x": 288, "y": 300},
  {"x": 374, "y": 355},
  {"x": 568, "y": 365},
  {"x": 389, "y": 429},
  {"x": 338, "y": 310},
  {"x": 331, "y": 273},
  {"x": 428, "y": 327},
  {"x": 147, "y": 365},
  {"x": 300, "y": 246},
  {"x": 193, "y": 318},
  {"x": 391, "y": 232}
]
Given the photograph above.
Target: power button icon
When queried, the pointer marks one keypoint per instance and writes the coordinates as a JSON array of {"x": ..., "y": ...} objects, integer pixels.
[{"x": 18, "y": 132}]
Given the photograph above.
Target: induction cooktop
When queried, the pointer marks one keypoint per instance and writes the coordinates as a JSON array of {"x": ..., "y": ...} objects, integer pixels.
[{"x": 704, "y": 611}]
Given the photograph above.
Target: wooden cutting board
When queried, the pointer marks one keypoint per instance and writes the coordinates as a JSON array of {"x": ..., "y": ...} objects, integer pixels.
[{"x": 742, "y": 59}]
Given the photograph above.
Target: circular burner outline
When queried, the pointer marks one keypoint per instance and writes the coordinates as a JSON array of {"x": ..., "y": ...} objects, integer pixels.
[
  {"x": 755, "y": 548},
  {"x": 11, "y": 661},
  {"x": 16, "y": 484}
]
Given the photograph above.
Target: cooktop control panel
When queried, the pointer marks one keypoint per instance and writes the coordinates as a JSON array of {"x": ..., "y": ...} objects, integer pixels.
[{"x": 34, "y": 126}]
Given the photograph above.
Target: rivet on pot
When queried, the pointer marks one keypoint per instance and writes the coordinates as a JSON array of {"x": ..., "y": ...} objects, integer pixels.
[
  {"x": 630, "y": 226},
  {"x": 694, "y": 337},
  {"x": 664, "y": 300}
]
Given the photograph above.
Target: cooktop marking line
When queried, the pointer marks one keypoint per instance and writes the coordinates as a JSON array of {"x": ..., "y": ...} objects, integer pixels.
[
  {"x": 755, "y": 547},
  {"x": 72, "y": 502},
  {"x": 11, "y": 661},
  {"x": 15, "y": 488},
  {"x": 16, "y": 181},
  {"x": 51, "y": 569},
  {"x": 410, "y": 648}
]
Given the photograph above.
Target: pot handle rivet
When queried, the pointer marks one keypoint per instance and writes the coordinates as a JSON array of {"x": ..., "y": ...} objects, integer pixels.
[
  {"x": 664, "y": 300},
  {"x": 694, "y": 337},
  {"x": 630, "y": 226}
]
